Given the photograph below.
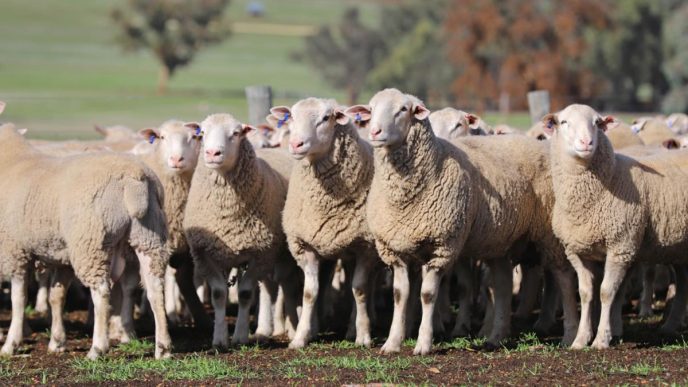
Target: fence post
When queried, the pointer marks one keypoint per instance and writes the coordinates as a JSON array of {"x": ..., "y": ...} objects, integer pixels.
[
  {"x": 538, "y": 104},
  {"x": 259, "y": 103}
]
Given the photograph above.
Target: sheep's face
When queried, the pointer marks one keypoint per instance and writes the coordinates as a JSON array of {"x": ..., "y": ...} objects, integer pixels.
[
  {"x": 176, "y": 144},
  {"x": 390, "y": 114},
  {"x": 576, "y": 128},
  {"x": 450, "y": 123},
  {"x": 262, "y": 137},
  {"x": 312, "y": 127},
  {"x": 116, "y": 133},
  {"x": 222, "y": 137}
]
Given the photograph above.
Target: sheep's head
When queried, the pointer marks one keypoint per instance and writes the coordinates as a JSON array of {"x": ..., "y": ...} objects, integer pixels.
[
  {"x": 576, "y": 128},
  {"x": 313, "y": 122},
  {"x": 176, "y": 144},
  {"x": 222, "y": 138},
  {"x": 115, "y": 133},
  {"x": 450, "y": 123},
  {"x": 389, "y": 116}
]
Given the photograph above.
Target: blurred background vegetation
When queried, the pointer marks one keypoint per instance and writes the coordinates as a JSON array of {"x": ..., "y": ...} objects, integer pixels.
[{"x": 65, "y": 65}]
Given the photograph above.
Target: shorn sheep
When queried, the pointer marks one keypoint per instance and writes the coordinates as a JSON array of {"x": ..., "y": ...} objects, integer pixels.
[
  {"x": 79, "y": 214},
  {"x": 233, "y": 218},
  {"x": 324, "y": 215},
  {"x": 614, "y": 209},
  {"x": 431, "y": 202}
]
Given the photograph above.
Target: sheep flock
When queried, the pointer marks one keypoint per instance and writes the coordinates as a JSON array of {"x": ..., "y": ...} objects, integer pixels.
[{"x": 376, "y": 217}]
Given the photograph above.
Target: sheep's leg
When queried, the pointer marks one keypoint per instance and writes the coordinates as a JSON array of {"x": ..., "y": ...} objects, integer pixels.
[
  {"x": 529, "y": 292},
  {"x": 233, "y": 291},
  {"x": 115, "y": 330},
  {"x": 617, "y": 310},
  {"x": 401, "y": 294},
  {"x": 201, "y": 287},
  {"x": 566, "y": 280},
  {"x": 247, "y": 286},
  {"x": 100, "y": 294},
  {"x": 311, "y": 266},
  {"x": 61, "y": 278},
  {"x": 501, "y": 280},
  {"x": 129, "y": 282},
  {"x": 155, "y": 290},
  {"x": 675, "y": 318},
  {"x": 432, "y": 277},
  {"x": 170, "y": 300},
  {"x": 441, "y": 309},
  {"x": 585, "y": 271},
  {"x": 360, "y": 287},
  {"x": 18, "y": 295},
  {"x": 648, "y": 276},
  {"x": 217, "y": 281},
  {"x": 464, "y": 272},
  {"x": 42, "y": 295},
  {"x": 286, "y": 275},
  {"x": 185, "y": 279},
  {"x": 278, "y": 318},
  {"x": 413, "y": 306},
  {"x": 548, "y": 307},
  {"x": 267, "y": 293},
  {"x": 614, "y": 272}
]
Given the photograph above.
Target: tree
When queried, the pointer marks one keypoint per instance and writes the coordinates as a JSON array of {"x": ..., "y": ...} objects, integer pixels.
[
  {"x": 675, "y": 66},
  {"x": 509, "y": 48},
  {"x": 417, "y": 61},
  {"x": 344, "y": 59},
  {"x": 173, "y": 30}
]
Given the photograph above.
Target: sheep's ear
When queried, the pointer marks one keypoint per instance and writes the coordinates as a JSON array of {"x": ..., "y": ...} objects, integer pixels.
[
  {"x": 272, "y": 120},
  {"x": 671, "y": 144},
  {"x": 266, "y": 129},
  {"x": 549, "y": 123},
  {"x": 636, "y": 126},
  {"x": 196, "y": 127},
  {"x": 247, "y": 128},
  {"x": 420, "y": 112},
  {"x": 472, "y": 120},
  {"x": 604, "y": 122},
  {"x": 22, "y": 131},
  {"x": 282, "y": 113},
  {"x": 340, "y": 117},
  {"x": 2, "y": 106},
  {"x": 359, "y": 113},
  {"x": 100, "y": 129},
  {"x": 149, "y": 134}
]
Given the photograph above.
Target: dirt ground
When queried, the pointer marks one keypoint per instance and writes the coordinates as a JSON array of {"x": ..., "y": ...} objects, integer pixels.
[{"x": 644, "y": 358}]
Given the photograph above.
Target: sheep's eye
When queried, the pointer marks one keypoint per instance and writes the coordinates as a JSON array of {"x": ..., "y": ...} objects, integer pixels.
[
  {"x": 563, "y": 122},
  {"x": 458, "y": 125},
  {"x": 403, "y": 109},
  {"x": 162, "y": 137},
  {"x": 326, "y": 118}
]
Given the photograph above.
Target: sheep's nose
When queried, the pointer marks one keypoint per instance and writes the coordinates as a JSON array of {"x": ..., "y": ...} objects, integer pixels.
[
  {"x": 296, "y": 144},
  {"x": 585, "y": 142},
  {"x": 176, "y": 159},
  {"x": 375, "y": 132},
  {"x": 213, "y": 152}
]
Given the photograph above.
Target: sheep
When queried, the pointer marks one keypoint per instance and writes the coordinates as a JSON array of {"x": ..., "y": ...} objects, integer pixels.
[
  {"x": 505, "y": 129},
  {"x": 621, "y": 135},
  {"x": 173, "y": 155},
  {"x": 450, "y": 123},
  {"x": 615, "y": 209},
  {"x": 432, "y": 201},
  {"x": 537, "y": 132},
  {"x": 233, "y": 217},
  {"x": 324, "y": 214},
  {"x": 117, "y": 133},
  {"x": 80, "y": 215},
  {"x": 678, "y": 123},
  {"x": 652, "y": 131}
]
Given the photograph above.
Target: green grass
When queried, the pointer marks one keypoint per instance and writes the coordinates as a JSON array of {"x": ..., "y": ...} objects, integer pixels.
[
  {"x": 638, "y": 369},
  {"x": 136, "y": 348},
  {"x": 193, "y": 367},
  {"x": 376, "y": 369}
]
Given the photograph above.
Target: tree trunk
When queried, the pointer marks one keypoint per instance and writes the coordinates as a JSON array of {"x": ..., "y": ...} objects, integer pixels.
[
  {"x": 353, "y": 95},
  {"x": 163, "y": 79}
]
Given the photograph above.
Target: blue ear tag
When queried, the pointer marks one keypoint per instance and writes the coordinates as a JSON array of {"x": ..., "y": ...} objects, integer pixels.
[
  {"x": 549, "y": 125},
  {"x": 198, "y": 130},
  {"x": 151, "y": 139},
  {"x": 358, "y": 117},
  {"x": 283, "y": 120}
]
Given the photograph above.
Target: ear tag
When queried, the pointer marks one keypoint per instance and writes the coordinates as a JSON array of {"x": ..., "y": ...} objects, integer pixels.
[
  {"x": 550, "y": 125},
  {"x": 283, "y": 120},
  {"x": 358, "y": 117},
  {"x": 151, "y": 139},
  {"x": 198, "y": 130}
]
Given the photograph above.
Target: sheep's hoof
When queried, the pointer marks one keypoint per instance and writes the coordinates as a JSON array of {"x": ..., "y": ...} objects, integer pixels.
[
  {"x": 390, "y": 348},
  {"x": 297, "y": 343},
  {"x": 240, "y": 340},
  {"x": 56, "y": 347},
  {"x": 364, "y": 341},
  {"x": 422, "y": 349},
  {"x": 163, "y": 351},
  {"x": 94, "y": 353},
  {"x": 7, "y": 350},
  {"x": 567, "y": 340},
  {"x": 261, "y": 338},
  {"x": 600, "y": 345}
]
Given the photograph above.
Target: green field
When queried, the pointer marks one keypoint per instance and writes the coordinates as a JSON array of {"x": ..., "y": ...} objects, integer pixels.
[{"x": 61, "y": 71}]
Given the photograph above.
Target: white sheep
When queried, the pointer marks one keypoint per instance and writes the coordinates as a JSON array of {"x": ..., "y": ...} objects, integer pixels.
[
  {"x": 233, "y": 218},
  {"x": 450, "y": 124},
  {"x": 82, "y": 215},
  {"x": 431, "y": 202},
  {"x": 614, "y": 209},
  {"x": 324, "y": 215}
]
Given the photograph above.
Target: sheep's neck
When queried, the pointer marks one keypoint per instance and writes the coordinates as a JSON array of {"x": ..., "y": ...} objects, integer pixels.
[
  {"x": 14, "y": 146},
  {"x": 579, "y": 185},
  {"x": 243, "y": 179},
  {"x": 406, "y": 168},
  {"x": 348, "y": 165}
]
